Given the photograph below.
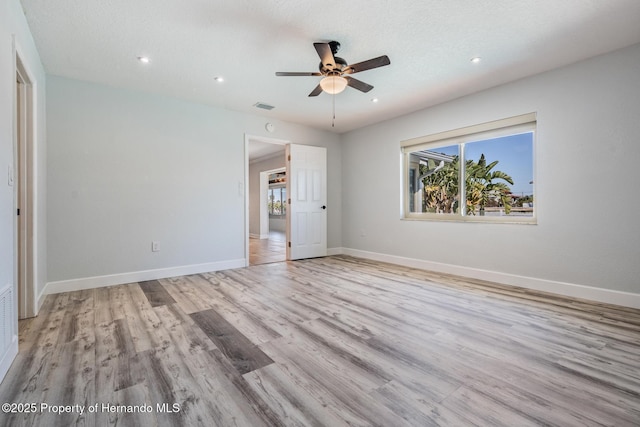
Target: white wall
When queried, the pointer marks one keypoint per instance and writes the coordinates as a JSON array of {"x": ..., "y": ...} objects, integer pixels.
[
  {"x": 127, "y": 168},
  {"x": 587, "y": 153},
  {"x": 254, "y": 187},
  {"x": 13, "y": 25}
]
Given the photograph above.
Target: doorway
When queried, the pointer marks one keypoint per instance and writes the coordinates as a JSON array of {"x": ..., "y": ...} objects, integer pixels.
[
  {"x": 266, "y": 200},
  {"x": 270, "y": 245},
  {"x": 22, "y": 179}
]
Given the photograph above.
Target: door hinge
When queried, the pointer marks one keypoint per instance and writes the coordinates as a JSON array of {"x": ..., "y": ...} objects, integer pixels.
[
  {"x": 289, "y": 244},
  {"x": 289, "y": 201},
  {"x": 289, "y": 157},
  {"x": 18, "y": 211}
]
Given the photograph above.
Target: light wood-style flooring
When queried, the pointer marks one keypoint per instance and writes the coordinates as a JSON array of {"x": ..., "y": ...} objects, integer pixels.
[
  {"x": 264, "y": 251},
  {"x": 335, "y": 341}
]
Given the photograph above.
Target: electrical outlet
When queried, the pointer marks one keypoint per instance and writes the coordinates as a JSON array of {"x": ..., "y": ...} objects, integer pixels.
[{"x": 155, "y": 246}]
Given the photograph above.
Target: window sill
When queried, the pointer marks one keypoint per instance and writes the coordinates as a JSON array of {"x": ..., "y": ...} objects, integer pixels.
[{"x": 475, "y": 219}]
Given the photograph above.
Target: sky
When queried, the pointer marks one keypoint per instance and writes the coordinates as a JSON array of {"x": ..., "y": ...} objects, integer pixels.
[{"x": 513, "y": 152}]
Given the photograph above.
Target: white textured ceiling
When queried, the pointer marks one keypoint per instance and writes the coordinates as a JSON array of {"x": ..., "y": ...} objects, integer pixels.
[
  {"x": 259, "y": 149},
  {"x": 430, "y": 44}
]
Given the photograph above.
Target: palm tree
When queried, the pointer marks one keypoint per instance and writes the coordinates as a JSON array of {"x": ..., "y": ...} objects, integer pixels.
[
  {"x": 481, "y": 187},
  {"x": 441, "y": 186}
]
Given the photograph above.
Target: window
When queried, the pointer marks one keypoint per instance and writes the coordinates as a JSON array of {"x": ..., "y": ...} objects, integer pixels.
[
  {"x": 480, "y": 173},
  {"x": 277, "y": 201},
  {"x": 277, "y": 194}
]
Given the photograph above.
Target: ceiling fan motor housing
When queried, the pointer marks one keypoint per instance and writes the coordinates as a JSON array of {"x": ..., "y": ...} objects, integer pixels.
[{"x": 333, "y": 69}]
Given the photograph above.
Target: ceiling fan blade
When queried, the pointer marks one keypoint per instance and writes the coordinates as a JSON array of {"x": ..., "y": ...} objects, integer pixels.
[
  {"x": 357, "y": 84},
  {"x": 317, "y": 91},
  {"x": 284, "y": 73},
  {"x": 380, "y": 61},
  {"x": 325, "y": 54}
]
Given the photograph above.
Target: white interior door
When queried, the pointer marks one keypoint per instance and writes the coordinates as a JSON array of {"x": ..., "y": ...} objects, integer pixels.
[{"x": 307, "y": 190}]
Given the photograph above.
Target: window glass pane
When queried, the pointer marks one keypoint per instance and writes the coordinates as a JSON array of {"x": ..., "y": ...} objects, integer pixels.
[
  {"x": 277, "y": 207},
  {"x": 499, "y": 176},
  {"x": 433, "y": 181},
  {"x": 270, "y": 201}
]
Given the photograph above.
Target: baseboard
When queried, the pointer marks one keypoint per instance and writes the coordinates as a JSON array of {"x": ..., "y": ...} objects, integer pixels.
[
  {"x": 334, "y": 251},
  {"x": 626, "y": 299},
  {"x": 137, "y": 276},
  {"x": 8, "y": 357},
  {"x": 41, "y": 297}
]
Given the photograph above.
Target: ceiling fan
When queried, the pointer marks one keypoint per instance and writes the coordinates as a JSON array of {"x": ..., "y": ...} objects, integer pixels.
[{"x": 335, "y": 71}]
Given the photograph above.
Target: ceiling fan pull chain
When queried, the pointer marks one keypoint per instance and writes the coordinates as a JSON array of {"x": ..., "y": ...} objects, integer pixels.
[{"x": 333, "y": 121}]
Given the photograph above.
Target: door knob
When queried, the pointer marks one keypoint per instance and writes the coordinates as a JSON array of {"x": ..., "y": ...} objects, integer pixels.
[{"x": 324, "y": 207}]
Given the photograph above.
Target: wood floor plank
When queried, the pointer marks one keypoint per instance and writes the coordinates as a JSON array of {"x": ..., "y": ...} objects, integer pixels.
[
  {"x": 169, "y": 382},
  {"x": 307, "y": 349},
  {"x": 70, "y": 381},
  {"x": 259, "y": 319},
  {"x": 412, "y": 408},
  {"x": 389, "y": 364},
  {"x": 244, "y": 355},
  {"x": 134, "y": 395},
  {"x": 480, "y": 410},
  {"x": 156, "y": 293},
  {"x": 236, "y": 403},
  {"x": 143, "y": 322},
  {"x": 184, "y": 333},
  {"x": 241, "y": 311},
  {"x": 294, "y": 406},
  {"x": 110, "y": 303},
  {"x": 542, "y": 409},
  {"x": 345, "y": 400},
  {"x": 116, "y": 360},
  {"x": 545, "y": 380},
  {"x": 189, "y": 298}
]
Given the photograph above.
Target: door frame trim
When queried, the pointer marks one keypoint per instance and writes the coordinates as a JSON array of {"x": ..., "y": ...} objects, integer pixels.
[
  {"x": 247, "y": 139},
  {"x": 25, "y": 189}
]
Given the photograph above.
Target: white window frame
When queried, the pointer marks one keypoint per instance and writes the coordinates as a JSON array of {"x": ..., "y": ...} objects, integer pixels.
[
  {"x": 278, "y": 186},
  {"x": 510, "y": 126}
]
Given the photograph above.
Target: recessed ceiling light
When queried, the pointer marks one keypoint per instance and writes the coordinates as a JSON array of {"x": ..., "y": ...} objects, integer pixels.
[
  {"x": 219, "y": 79},
  {"x": 476, "y": 59},
  {"x": 144, "y": 59},
  {"x": 374, "y": 100}
]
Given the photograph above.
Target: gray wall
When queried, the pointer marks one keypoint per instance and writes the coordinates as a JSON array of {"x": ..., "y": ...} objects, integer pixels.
[
  {"x": 587, "y": 152},
  {"x": 126, "y": 168}
]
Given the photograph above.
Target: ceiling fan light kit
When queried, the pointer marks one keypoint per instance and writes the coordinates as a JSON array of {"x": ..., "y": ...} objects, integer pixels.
[{"x": 333, "y": 84}]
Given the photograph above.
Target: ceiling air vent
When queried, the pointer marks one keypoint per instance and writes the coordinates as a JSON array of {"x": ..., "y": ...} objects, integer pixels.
[{"x": 264, "y": 106}]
